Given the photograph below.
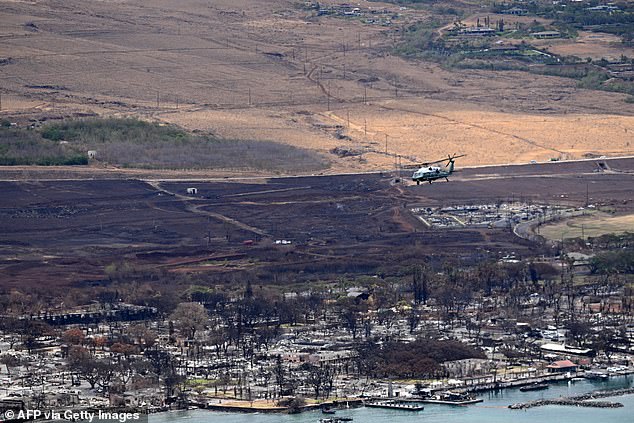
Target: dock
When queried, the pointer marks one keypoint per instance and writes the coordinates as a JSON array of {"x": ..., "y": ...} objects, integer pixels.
[
  {"x": 449, "y": 402},
  {"x": 395, "y": 405}
]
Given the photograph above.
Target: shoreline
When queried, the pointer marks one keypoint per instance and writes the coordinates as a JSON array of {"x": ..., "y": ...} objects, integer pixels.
[{"x": 581, "y": 399}]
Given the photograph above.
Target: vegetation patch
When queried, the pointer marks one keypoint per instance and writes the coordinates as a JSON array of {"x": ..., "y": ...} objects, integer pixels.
[
  {"x": 419, "y": 359},
  {"x": 488, "y": 44},
  {"x": 27, "y": 147},
  {"x": 138, "y": 144}
]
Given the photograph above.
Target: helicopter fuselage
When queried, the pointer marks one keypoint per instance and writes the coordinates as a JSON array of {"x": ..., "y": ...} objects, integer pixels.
[{"x": 431, "y": 173}]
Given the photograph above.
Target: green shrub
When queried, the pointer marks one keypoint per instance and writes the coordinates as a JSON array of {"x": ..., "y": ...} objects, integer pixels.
[{"x": 140, "y": 144}]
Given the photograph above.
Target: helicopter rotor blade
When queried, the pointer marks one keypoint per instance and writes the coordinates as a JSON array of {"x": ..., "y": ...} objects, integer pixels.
[
  {"x": 425, "y": 164},
  {"x": 456, "y": 156}
]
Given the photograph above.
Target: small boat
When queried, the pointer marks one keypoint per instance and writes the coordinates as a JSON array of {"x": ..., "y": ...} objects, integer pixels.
[
  {"x": 336, "y": 420},
  {"x": 534, "y": 387},
  {"x": 594, "y": 374},
  {"x": 327, "y": 411}
]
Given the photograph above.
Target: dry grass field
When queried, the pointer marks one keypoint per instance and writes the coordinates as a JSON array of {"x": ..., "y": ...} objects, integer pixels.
[
  {"x": 592, "y": 225},
  {"x": 269, "y": 70},
  {"x": 589, "y": 44}
]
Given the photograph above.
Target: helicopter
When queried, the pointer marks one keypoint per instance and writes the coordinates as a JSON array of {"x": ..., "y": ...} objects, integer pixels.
[{"x": 427, "y": 172}]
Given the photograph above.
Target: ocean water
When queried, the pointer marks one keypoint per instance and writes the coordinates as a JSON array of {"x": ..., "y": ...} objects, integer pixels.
[{"x": 494, "y": 409}]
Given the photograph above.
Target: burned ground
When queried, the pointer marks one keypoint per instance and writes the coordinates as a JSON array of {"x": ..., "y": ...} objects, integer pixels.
[{"x": 65, "y": 233}]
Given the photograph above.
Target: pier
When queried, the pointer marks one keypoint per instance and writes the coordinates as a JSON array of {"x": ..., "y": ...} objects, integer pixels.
[
  {"x": 516, "y": 383},
  {"x": 450, "y": 402},
  {"x": 395, "y": 405}
]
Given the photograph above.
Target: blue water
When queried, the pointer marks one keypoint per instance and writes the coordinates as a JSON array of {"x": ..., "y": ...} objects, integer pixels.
[{"x": 492, "y": 410}]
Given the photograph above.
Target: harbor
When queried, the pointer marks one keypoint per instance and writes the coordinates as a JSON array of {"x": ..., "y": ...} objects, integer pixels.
[{"x": 493, "y": 409}]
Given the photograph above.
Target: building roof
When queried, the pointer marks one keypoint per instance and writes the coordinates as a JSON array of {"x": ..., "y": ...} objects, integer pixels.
[
  {"x": 559, "y": 348},
  {"x": 545, "y": 33},
  {"x": 562, "y": 364}
]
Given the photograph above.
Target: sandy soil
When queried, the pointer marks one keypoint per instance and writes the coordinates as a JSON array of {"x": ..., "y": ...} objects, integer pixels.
[{"x": 270, "y": 70}]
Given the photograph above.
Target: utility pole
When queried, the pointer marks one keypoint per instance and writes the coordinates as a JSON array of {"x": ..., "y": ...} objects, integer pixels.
[
  {"x": 365, "y": 94},
  {"x": 158, "y": 100},
  {"x": 348, "y": 113},
  {"x": 328, "y": 95},
  {"x": 249, "y": 96},
  {"x": 0, "y": 102},
  {"x": 365, "y": 126},
  {"x": 386, "y": 144}
]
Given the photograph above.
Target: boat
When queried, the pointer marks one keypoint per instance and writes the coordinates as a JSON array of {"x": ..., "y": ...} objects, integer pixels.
[
  {"x": 336, "y": 420},
  {"x": 451, "y": 398},
  {"x": 595, "y": 374},
  {"x": 327, "y": 411},
  {"x": 534, "y": 387}
]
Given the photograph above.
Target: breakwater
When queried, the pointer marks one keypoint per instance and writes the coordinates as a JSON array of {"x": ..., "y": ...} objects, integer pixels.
[{"x": 584, "y": 400}]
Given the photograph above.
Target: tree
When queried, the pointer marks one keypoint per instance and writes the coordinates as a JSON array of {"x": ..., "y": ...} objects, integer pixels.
[
  {"x": 413, "y": 319},
  {"x": 316, "y": 377},
  {"x": 105, "y": 372},
  {"x": 350, "y": 313},
  {"x": 165, "y": 366},
  {"x": 84, "y": 364},
  {"x": 31, "y": 331},
  {"x": 320, "y": 378},
  {"x": 9, "y": 361},
  {"x": 294, "y": 405},
  {"x": 73, "y": 336},
  {"x": 280, "y": 373},
  {"x": 189, "y": 318},
  {"x": 579, "y": 331},
  {"x": 420, "y": 284},
  {"x": 122, "y": 349},
  {"x": 351, "y": 320},
  {"x": 386, "y": 317},
  {"x": 142, "y": 336},
  {"x": 607, "y": 340}
]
